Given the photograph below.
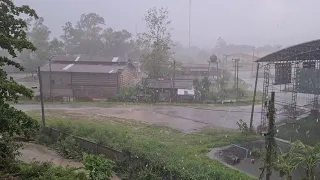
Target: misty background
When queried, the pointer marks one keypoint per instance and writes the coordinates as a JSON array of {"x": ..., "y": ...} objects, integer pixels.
[{"x": 250, "y": 22}]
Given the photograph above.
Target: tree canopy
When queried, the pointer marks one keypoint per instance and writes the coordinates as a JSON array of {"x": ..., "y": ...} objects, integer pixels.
[
  {"x": 156, "y": 43},
  {"x": 13, "y": 39},
  {"x": 89, "y": 37}
]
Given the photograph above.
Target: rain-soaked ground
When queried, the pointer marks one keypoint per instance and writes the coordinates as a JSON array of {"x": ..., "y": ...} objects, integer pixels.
[{"x": 34, "y": 152}]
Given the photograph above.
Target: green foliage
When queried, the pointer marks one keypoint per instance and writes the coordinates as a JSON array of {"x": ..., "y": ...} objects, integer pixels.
[
  {"x": 155, "y": 152},
  {"x": 224, "y": 80},
  {"x": 43, "y": 139},
  {"x": 306, "y": 156},
  {"x": 69, "y": 148},
  {"x": 39, "y": 36},
  {"x": 88, "y": 37},
  {"x": 99, "y": 167},
  {"x": 202, "y": 88},
  {"x": 300, "y": 155},
  {"x": 155, "y": 44},
  {"x": 286, "y": 164},
  {"x": 8, "y": 152},
  {"x": 127, "y": 92},
  {"x": 256, "y": 153},
  {"x": 13, "y": 38},
  {"x": 46, "y": 171}
]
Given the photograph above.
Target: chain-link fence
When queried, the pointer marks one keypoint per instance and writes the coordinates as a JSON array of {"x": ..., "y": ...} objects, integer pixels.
[{"x": 86, "y": 145}]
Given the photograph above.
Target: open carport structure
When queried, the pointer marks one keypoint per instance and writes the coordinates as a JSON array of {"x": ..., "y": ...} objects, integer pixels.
[{"x": 296, "y": 81}]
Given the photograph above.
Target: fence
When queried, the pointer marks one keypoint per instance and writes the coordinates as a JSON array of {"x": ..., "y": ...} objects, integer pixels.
[{"x": 86, "y": 145}]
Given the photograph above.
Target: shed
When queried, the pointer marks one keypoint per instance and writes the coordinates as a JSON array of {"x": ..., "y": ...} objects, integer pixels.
[
  {"x": 88, "y": 81},
  {"x": 164, "y": 88}
]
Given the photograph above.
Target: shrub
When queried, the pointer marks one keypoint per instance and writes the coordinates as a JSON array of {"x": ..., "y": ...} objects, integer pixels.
[
  {"x": 256, "y": 153},
  {"x": 46, "y": 171},
  {"x": 99, "y": 167},
  {"x": 69, "y": 148},
  {"x": 8, "y": 152},
  {"x": 43, "y": 139}
]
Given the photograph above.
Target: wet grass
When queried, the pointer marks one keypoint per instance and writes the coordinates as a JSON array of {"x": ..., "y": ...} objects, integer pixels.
[
  {"x": 183, "y": 153},
  {"x": 305, "y": 130}
]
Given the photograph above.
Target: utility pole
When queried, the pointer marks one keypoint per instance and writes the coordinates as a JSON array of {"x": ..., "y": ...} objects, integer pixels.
[
  {"x": 236, "y": 77},
  {"x": 218, "y": 69},
  {"x": 252, "y": 62},
  {"x": 270, "y": 142},
  {"x": 235, "y": 72},
  {"x": 173, "y": 80},
  {"x": 254, "y": 95},
  {"x": 50, "y": 79},
  {"x": 41, "y": 98}
]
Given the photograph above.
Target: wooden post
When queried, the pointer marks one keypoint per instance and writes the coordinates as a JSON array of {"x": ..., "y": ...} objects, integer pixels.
[{"x": 41, "y": 98}]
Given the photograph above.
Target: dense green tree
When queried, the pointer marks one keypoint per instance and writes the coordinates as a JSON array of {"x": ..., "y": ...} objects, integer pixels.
[
  {"x": 85, "y": 37},
  {"x": 156, "y": 43},
  {"x": 39, "y": 36},
  {"x": 13, "y": 39},
  {"x": 118, "y": 43},
  {"x": 88, "y": 37},
  {"x": 56, "y": 47}
]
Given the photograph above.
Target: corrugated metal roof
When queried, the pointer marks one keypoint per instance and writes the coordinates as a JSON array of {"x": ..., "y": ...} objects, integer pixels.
[
  {"x": 82, "y": 68},
  {"x": 304, "y": 51},
  {"x": 85, "y": 57},
  {"x": 190, "y": 65}
]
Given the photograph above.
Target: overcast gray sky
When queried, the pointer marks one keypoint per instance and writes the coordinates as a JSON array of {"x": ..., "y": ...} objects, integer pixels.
[{"x": 251, "y": 22}]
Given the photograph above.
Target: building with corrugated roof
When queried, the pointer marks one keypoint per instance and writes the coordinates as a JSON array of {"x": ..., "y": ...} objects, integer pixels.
[{"x": 85, "y": 77}]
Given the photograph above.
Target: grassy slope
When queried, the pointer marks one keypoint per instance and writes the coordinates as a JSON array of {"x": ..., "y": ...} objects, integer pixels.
[
  {"x": 305, "y": 130},
  {"x": 183, "y": 152}
]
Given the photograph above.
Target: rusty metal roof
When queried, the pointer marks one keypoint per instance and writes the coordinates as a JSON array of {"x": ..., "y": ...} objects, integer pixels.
[{"x": 85, "y": 68}]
